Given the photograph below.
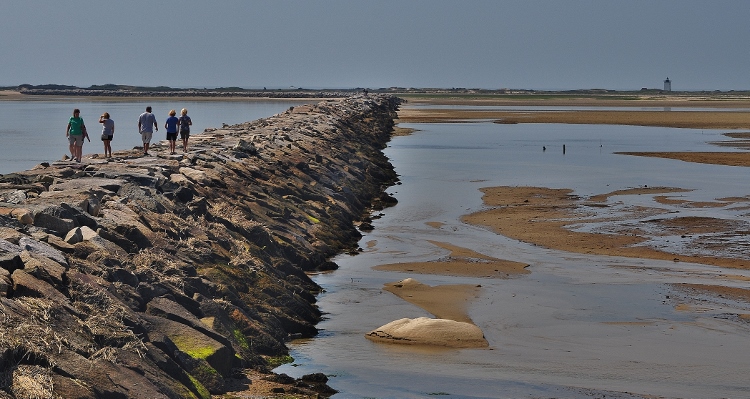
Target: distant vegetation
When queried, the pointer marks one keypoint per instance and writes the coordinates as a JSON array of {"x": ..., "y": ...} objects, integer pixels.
[
  {"x": 129, "y": 88},
  {"x": 113, "y": 90},
  {"x": 415, "y": 93}
]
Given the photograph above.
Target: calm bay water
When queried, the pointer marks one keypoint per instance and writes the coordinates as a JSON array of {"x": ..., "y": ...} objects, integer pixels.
[
  {"x": 33, "y": 131},
  {"x": 577, "y": 325}
]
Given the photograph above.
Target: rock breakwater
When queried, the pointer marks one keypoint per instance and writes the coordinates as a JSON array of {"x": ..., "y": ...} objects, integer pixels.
[{"x": 162, "y": 276}]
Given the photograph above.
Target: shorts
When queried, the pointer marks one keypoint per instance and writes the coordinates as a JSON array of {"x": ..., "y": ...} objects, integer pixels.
[
  {"x": 146, "y": 137},
  {"x": 107, "y": 137},
  {"x": 172, "y": 136},
  {"x": 185, "y": 135},
  {"x": 76, "y": 140}
]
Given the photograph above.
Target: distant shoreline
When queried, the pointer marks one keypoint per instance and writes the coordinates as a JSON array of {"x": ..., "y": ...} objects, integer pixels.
[
  {"x": 7, "y": 95},
  {"x": 692, "y": 100}
]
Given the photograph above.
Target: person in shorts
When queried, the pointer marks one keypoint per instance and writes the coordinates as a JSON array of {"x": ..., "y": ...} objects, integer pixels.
[
  {"x": 108, "y": 132},
  {"x": 74, "y": 133},
  {"x": 146, "y": 126},
  {"x": 185, "y": 123},
  {"x": 171, "y": 126}
]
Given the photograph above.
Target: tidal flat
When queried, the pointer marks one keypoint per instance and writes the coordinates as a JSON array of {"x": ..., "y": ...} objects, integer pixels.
[{"x": 636, "y": 266}]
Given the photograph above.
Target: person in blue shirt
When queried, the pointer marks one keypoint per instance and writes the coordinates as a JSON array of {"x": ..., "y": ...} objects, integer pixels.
[{"x": 171, "y": 127}]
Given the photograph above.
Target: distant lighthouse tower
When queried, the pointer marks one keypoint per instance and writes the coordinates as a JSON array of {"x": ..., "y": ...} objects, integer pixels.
[{"x": 667, "y": 85}]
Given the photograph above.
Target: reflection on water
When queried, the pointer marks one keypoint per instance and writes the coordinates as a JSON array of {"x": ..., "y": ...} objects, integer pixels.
[{"x": 576, "y": 322}]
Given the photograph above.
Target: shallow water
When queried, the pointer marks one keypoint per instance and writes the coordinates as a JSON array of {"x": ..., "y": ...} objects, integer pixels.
[
  {"x": 33, "y": 131},
  {"x": 576, "y": 323}
]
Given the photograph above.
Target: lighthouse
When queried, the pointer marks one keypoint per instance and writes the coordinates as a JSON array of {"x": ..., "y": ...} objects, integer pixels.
[{"x": 667, "y": 85}]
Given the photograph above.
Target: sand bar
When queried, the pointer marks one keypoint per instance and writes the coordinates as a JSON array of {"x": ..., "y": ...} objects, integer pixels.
[
  {"x": 543, "y": 216},
  {"x": 681, "y": 119},
  {"x": 713, "y": 158},
  {"x": 461, "y": 262},
  {"x": 443, "y": 301},
  {"x": 452, "y": 326},
  {"x": 634, "y": 100}
]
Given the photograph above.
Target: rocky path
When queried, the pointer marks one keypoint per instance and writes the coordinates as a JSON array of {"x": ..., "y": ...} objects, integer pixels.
[{"x": 166, "y": 276}]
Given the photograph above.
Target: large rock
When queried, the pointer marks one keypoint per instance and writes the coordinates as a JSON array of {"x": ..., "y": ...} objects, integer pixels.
[
  {"x": 202, "y": 356},
  {"x": 42, "y": 249},
  {"x": 95, "y": 185},
  {"x": 169, "y": 309},
  {"x": 24, "y": 284},
  {"x": 427, "y": 331},
  {"x": 55, "y": 219},
  {"x": 197, "y": 176},
  {"x": 79, "y": 234},
  {"x": 10, "y": 256},
  {"x": 43, "y": 268},
  {"x": 246, "y": 146},
  {"x": 107, "y": 379}
]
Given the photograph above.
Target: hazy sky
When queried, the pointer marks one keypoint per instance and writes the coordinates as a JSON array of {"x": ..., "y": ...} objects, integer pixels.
[{"x": 563, "y": 44}]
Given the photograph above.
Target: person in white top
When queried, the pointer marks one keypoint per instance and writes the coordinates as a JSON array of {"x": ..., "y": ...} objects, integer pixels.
[{"x": 108, "y": 131}]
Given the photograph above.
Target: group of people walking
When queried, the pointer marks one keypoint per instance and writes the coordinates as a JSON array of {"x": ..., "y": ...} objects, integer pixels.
[{"x": 76, "y": 131}]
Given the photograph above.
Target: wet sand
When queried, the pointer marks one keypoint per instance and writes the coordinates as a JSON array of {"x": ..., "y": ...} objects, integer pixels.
[
  {"x": 452, "y": 326},
  {"x": 692, "y": 119},
  {"x": 445, "y": 302},
  {"x": 693, "y": 100},
  {"x": 613, "y": 325},
  {"x": 679, "y": 119},
  {"x": 461, "y": 262},
  {"x": 713, "y": 158},
  {"x": 545, "y": 217}
]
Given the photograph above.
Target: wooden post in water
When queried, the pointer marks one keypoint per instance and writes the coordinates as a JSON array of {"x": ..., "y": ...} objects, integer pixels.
[{"x": 563, "y": 148}]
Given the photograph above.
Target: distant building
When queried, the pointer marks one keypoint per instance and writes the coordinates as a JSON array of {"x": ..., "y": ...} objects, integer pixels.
[{"x": 667, "y": 85}]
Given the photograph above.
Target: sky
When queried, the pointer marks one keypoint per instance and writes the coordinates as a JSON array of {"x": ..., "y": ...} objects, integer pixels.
[{"x": 517, "y": 44}]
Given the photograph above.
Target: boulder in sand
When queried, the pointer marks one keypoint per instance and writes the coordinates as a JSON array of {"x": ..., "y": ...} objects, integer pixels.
[{"x": 427, "y": 331}]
